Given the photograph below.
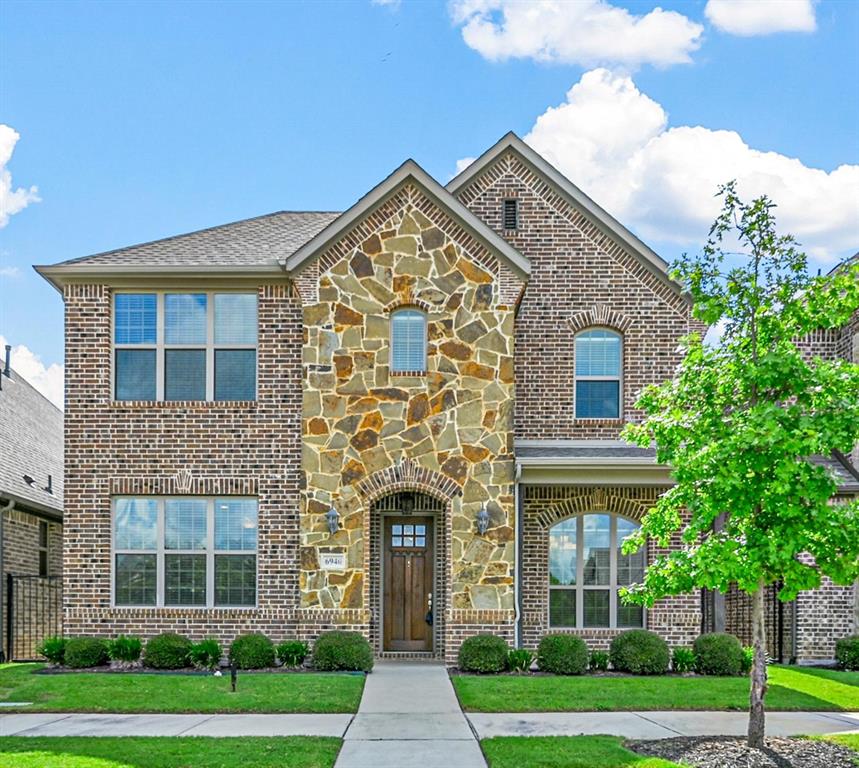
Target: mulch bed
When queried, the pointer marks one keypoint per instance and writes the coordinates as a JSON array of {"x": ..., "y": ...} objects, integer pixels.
[{"x": 731, "y": 752}]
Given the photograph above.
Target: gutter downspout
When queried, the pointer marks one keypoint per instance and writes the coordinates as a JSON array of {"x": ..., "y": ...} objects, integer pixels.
[
  {"x": 3, "y": 510},
  {"x": 517, "y": 640}
]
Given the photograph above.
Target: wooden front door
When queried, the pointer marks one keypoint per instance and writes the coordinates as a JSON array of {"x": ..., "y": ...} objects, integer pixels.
[{"x": 408, "y": 575}]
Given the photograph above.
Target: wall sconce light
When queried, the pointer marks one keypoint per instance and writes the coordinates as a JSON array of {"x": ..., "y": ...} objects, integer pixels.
[
  {"x": 482, "y": 520},
  {"x": 332, "y": 517}
]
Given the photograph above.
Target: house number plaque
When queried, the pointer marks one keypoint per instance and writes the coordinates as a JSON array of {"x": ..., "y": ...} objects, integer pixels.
[{"x": 332, "y": 561}]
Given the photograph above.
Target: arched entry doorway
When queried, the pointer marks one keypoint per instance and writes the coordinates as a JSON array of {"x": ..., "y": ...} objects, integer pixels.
[{"x": 406, "y": 557}]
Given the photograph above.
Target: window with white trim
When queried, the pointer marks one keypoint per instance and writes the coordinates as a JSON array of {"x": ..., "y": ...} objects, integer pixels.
[
  {"x": 408, "y": 340},
  {"x": 586, "y": 569},
  {"x": 598, "y": 374},
  {"x": 186, "y": 551},
  {"x": 185, "y": 346}
]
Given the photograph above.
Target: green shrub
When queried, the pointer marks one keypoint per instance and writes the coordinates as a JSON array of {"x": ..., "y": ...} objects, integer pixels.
[
  {"x": 253, "y": 651},
  {"x": 53, "y": 649},
  {"x": 598, "y": 661},
  {"x": 847, "y": 652},
  {"x": 683, "y": 660},
  {"x": 338, "y": 650},
  {"x": 85, "y": 652},
  {"x": 292, "y": 653},
  {"x": 748, "y": 659},
  {"x": 167, "y": 651},
  {"x": 206, "y": 654},
  {"x": 639, "y": 652},
  {"x": 483, "y": 653},
  {"x": 123, "y": 648},
  {"x": 718, "y": 653},
  {"x": 519, "y": 660},
  {"x": 562, "y": 654}
]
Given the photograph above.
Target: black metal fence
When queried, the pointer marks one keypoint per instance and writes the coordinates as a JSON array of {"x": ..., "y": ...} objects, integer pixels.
[{"x": 34, "y": 612}]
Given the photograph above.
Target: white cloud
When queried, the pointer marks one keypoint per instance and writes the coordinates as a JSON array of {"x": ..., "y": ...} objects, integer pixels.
[
  {"x": 393, "y": 4},
  {"x": 463, "y": 163},
  {"x": 761, "y": 17},
  {"x": 10, "y": 272},
  {"x": 48, "y": 379},
  {"x": 11, "y": 201},
  {"x": 585, "y": 32},
  {"x": 615, "y": 143}
]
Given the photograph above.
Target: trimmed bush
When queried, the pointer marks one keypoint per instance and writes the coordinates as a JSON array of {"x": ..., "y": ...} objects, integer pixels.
[
  {"x": 84, "y": 652},
  {"x": 683, "y": 660},
  {"x": 520, "y": 660},
  {"x": 206, "y": 654},
  {"x": 122, "y": 648},
  {"x": 562, "y": 654},
  {"x": 253, "y": 651},
  {"x": 292, "y": 653},
  {"x": 718, "y": 653},
  {"x": 847, "y": 652},
  {"x": 748, "y": 659},
  {"x": 338, "y": 650},
  {"x": 639, "y": 652},
  {"x": 167, "y": 651},
  {"x": 53, "y": 649},
  {"x": 483, "y": 653},
  {"x": 598, "y": 661}
]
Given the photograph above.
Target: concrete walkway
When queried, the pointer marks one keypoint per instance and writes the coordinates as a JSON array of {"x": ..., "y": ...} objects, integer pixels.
[{"x": 409, "y": 718}]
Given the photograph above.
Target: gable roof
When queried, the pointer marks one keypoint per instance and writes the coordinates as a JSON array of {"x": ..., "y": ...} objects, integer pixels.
[
  {"x": 408, "y": 172},
  {"x": 262, "y": 242},
  {"x": 602, "y": 218},
  {"x": 31, "y": 436}
]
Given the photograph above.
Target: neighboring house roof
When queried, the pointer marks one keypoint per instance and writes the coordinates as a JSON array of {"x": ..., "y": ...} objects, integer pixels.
[
  {"x": 31, "y": 443},
  {"x": 262, "y": 243},
  {"x": 408, "y": 172},
  {"x": 604, "y": 220},
  {"x": 854, "y": 259}
]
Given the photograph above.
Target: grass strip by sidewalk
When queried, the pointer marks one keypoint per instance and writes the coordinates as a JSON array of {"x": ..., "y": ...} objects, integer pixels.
[
  {"x": 94, "y": 692},
  {"x": 790, "y": 688},
  {"x": 565, "y": 752},
  {"x": 168, "y": 752}
]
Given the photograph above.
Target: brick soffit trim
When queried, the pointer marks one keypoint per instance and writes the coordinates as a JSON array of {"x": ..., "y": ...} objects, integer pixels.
[{"x": 407, "y": 475}]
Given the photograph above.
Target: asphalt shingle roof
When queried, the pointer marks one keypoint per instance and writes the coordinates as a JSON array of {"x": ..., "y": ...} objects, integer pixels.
[
  {"x": 264, "y": 240},
  {"x": 31, "y": 443}
]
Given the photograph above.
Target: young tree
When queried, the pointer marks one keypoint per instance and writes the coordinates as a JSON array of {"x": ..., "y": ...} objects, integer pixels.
[{"x": 740, "y": 422}]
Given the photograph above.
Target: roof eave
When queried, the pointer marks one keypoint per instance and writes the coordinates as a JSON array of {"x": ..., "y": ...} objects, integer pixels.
[
  {"x": 408, "y": 171},
  {"x": 604, "y": 220}
]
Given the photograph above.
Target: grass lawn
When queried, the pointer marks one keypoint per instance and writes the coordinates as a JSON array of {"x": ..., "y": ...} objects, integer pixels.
[
  {"x": 565, "y": 752},
  {"x": 790, "y": 688},
  {"x": 306, "y": 692},
  {"x": 189, "y": 752}
]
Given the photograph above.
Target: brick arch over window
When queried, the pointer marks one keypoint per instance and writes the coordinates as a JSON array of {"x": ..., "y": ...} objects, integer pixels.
[
  {"x": 594, "y": 500},
  {"x": 600, "y": 315},
  {"x": 407, "y": 475},
  {"x": 410, "y": 303}
]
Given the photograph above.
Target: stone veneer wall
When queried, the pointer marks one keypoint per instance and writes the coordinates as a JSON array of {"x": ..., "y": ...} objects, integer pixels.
[
  {"x": 447, "y": 431},
  {"x": 677, "y": 619},
  {"x": 579, "y": 277}
]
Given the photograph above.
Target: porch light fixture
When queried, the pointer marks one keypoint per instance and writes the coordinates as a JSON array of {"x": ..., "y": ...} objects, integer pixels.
[
  {"x": 482, "y": 520},
  {"x": 332, "y": 517}
]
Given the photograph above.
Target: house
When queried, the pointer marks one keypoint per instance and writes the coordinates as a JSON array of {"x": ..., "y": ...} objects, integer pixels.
[
  {"x": 31, "y": 515},
  {"x": 402, "y": 419}
]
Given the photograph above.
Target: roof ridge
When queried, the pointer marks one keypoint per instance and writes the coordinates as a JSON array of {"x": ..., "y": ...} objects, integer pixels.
[{"x": 180, "y": 235}]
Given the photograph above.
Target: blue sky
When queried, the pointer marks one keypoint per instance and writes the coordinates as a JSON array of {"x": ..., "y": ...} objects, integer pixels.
[{"x": 142, "y": 120}]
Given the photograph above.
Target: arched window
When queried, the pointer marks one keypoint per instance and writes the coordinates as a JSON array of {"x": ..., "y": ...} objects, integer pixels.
[
  {"x": 598, "y": 374},
  {"x": 586, "y": 568},
  {"x": 408, "y": 340}
]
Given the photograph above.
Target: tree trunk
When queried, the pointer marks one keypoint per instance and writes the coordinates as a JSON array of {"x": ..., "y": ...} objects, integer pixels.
[{"x": 759, "y": 669}]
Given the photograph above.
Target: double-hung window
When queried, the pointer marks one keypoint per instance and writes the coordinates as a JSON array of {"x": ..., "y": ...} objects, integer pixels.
[
  {"x": 184, "y": 552},
  {"x": 185, "y": 346},
  {"x": 408, "y": 341},
  {"x": 598, "y": 374},
  {"x": 587, "y": 568}
]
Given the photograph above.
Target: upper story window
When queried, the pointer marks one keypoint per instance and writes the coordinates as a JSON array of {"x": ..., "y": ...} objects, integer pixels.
[
  {"x": 586, "y": 569},
  {"x": 598, "y": 374},
  {"x": 186, "y": 551},
  {"x": 185, "y": 346},
  {"x": 408, "y": 341},
  {"x": 510, "y": 213}
]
